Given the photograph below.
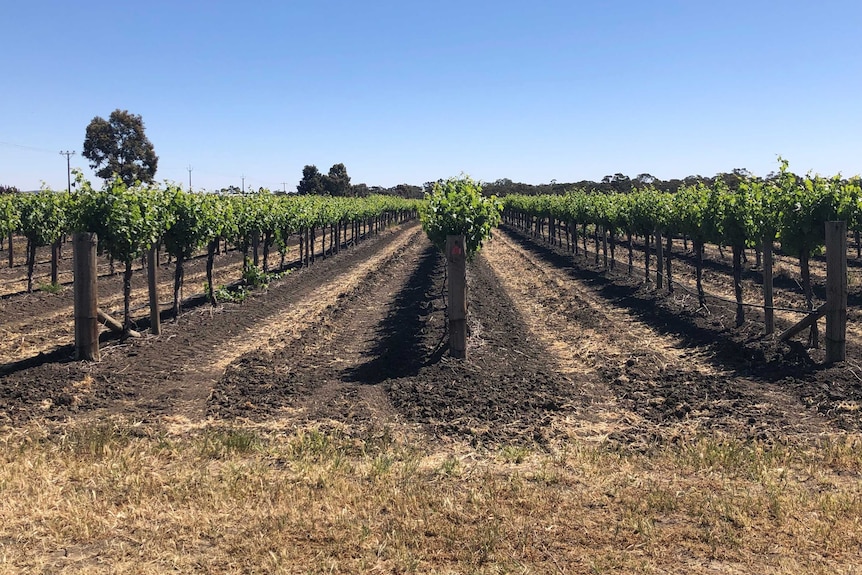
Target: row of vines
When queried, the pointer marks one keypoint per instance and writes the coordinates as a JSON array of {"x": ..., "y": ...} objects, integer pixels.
[
  {"x": 132, "y": 220},
  {"x": 788, "y": 209}
]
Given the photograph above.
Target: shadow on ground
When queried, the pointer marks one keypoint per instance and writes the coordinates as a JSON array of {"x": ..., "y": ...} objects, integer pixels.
[
  {"x": 739, "y": 350},
  {"x": 402, "y": 344}
]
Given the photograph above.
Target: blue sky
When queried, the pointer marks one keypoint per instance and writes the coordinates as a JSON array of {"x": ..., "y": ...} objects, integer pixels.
[{"x": 407, "y": 92}]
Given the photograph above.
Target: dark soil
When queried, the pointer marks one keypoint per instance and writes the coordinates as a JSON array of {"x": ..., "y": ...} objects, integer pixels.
[
  {"x": 506, "y": 391},
  {"x": 43, "y": 318},
  {"x": 359, "y": 340},
  {"x": 751, "y": 370},
  {"x": 168, "y": 375}
]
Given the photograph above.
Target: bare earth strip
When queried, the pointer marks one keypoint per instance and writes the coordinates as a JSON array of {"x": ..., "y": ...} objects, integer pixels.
[
  {"x": 332, "y": 371},
  {"x": 569, "y": 343},
  {"x": 289, "y": 322},
  {"x": 638, "y": 365},
  {"x": 171, "y": 376}
]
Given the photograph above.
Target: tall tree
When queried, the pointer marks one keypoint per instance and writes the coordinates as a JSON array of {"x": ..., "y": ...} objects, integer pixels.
[
  {"x": 312, "y": 181},
  {"x": 619, "y": 183},
  {"x": 337, "y": 181},
  {"x": 119, "y": 146},
  {"x": 645, "y": 179},
  {"x": 360, "y": 190},
  {"x": 406, "y": 191}
]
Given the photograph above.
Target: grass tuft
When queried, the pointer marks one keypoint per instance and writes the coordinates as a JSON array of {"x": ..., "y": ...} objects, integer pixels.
[
  {"x": 52, "y": 288},
  {"x": 222, "y": 443}
]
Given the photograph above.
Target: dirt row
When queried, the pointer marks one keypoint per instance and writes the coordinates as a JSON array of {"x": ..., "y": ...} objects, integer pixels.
[
  {"x": 380, "y": 359},
  {"x": 735, "y": 357},
  {"x": 789, "y": 299},
  {"x": 656, "y": 377},
  {"x": 42, "y": 322},
  {"x": 172, "y": 375},
  {"x": 556, "y": 351}
]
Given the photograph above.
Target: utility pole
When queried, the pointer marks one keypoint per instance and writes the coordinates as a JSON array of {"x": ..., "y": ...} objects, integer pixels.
[
  {"x": 68, "y": 155},
  {"x": 190, "y": 177},
  {"x": 243, "y": 183},
  {"x": 284, "y": 186}
]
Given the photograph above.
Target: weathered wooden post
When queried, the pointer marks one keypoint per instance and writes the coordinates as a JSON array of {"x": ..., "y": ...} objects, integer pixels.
[
  {"x": 659, "y": 264},
  {"x": 55, "y": 261},
  {"x": 152, "y": 280},
  {"x": 605, "y": 247},
  {"x": 836, "y": 291},
  {"x": 768, "y": 312},
  {"x": 86, "y": 298},
  {"x": 835, "y": 308},
  {"x": 456, "y": 256}
]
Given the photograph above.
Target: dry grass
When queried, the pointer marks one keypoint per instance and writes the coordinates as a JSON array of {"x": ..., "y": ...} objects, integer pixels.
[{"x": 118, "y": 498}]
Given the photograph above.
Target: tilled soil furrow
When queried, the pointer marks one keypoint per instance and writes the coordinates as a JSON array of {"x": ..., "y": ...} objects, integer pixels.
[
  {"x": 173, "y": 374},
  {"x": 325, "y": 373},
  {"x": 506, "y": 390},
  {"x": 380, "y": 359},
  {"x": 669, "y": 386},
  {"x": 281, "y": 320}
]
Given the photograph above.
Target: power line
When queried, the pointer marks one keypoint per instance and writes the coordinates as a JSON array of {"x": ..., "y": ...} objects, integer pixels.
[
  {"x": 68, "y": 155},
  {"x": 23, "y": 147}
]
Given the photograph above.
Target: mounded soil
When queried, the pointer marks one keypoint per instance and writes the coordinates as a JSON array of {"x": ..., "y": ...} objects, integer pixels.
[{"x": 558, "y": 348}]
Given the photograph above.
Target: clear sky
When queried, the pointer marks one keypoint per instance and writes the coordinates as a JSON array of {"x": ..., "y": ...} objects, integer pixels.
[{"x": 408, "y": 92}]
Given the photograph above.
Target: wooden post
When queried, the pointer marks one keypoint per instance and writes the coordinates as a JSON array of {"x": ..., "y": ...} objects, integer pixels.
[
  {"x": 768, "y": 312},
  {"x": 456, "y": 256},
  {"x": 113, "y": 324},
  {"x": 668, "y": 254},
  {"x": 807, "y": 322},
  {"x": 605, "y": 247},
  {"x": 152, "y": 280},
  {"x": 659, "y": 265},
  {"x": 55, "y": 261},
  {"x": 86, "y": 315},
  {"x": 836, "y": 291},
  {"x": 255, "y": 244},
  {"x": 647, "y": 279}
]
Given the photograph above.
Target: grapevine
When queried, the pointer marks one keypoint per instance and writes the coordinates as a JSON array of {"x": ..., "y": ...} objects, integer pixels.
[{"x": 457, "y": 207}]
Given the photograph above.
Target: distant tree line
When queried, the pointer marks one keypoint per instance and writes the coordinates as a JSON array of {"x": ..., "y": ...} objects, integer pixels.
[
  {"x": 618, "y": 182},
  {"x": 337, "y": 183}
]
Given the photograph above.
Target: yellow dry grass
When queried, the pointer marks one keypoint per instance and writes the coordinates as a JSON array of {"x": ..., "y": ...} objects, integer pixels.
[{"x": 123, "y": 498}]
